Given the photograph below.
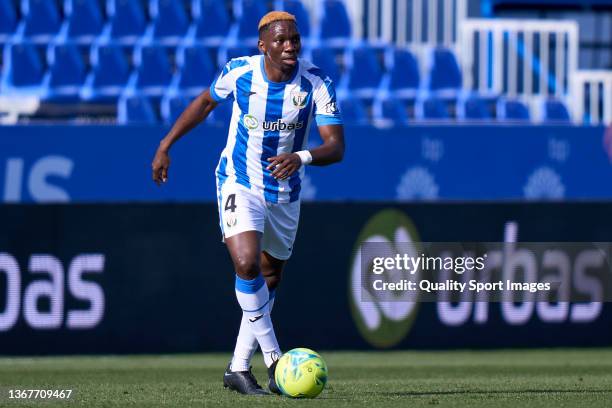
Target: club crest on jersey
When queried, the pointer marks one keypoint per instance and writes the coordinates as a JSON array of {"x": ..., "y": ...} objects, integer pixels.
[{"x": 299, "y": 98}]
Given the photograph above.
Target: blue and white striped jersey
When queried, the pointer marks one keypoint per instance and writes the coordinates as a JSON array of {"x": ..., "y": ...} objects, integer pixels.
[{"x": 270, "y": 118}]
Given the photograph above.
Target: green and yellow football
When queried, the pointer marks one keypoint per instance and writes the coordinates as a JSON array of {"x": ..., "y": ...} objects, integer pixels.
[{"x": 301, "y": 373}]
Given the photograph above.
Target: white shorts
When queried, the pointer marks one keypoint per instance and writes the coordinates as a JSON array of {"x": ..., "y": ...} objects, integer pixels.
[{"x": 241, "y": 209}]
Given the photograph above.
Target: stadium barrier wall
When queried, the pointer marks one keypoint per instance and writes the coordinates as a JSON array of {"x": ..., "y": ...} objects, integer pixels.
[
  {"x": 147, "y": 278},
  {"x": 113, "y": 164}
]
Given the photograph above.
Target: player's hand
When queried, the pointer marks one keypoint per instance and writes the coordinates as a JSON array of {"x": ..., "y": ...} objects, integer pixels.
[
  {"x": 160, "y": 165},
  {"x": 284, "y": 165}
]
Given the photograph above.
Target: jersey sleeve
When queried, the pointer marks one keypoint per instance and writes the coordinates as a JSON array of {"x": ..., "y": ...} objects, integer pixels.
[
  {"x": 224, "y": 85},
  {"x": 326, "y": 106}
]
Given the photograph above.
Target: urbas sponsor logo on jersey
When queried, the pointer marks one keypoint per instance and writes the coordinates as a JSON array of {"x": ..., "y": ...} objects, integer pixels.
[
  {"x": 251, "y": 122},
  {"x": 280, "y": 125}
]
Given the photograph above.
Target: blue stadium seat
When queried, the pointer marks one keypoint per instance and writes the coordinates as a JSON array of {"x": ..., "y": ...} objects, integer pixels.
[
  {"x": 66, "y": 73},
  {"x": 23, "y": 69},
  {"x": 227, "y": 53},
  {"x": 171, "y": 108},
  {"x": 170, "y": 21},
  {"x": 248, "y": 20},
  {"x": 40, "y": 20},
  {"x": 135, "y": 109},
  {"x": 296, "y": 8},
  {"x": 109, "y": 74},
  {"x": 83, "y": 21},
  {"x": 211, "y": 22},
  {"x": 324, "y": 58},
  {"x": 473, "y": 108},
  {"x": 390, "y": 111},
  {"x": 431, "y": 108},
  {"x": 8, "y": 23},
  {"x": 353, "y": 111},
  {"x": 395, "y": 110},
  {"x": 153, "y": 70},
  {"x": 335, "y": 25},
  {"x": 512, "y": 110},
  {"x": 126, "y": 21},
  {"x": 444, "y": 75},
  {"x": 363, "y": 71},
  {"x": 555, "y": 111},
  {"x": 8, "y": 20},
  {"x": 402, "y": 79},
  {"x": 195, "y": 70}
]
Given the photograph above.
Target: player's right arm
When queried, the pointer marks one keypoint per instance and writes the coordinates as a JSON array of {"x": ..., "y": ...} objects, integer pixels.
[
  {"x": 195, "y": 113},
  {"x": 220, "y": 90}
]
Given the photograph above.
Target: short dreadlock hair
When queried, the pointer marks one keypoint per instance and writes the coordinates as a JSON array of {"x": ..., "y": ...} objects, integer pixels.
[{"x": 273, "y": 17}]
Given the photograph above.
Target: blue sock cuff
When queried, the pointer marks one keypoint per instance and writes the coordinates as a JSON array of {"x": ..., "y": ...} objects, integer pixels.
[
  {"x": 249, "y": 286},
  {"x": 272, "y": 294}
]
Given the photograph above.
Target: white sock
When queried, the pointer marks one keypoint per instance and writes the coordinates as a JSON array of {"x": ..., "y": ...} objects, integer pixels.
[
  {"x": 246, "y": 343},
  {"x": 253, "y": 297}
]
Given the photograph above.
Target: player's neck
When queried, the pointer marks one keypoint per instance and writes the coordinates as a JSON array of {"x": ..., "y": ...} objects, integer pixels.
[{"x": 275, "y": 73}]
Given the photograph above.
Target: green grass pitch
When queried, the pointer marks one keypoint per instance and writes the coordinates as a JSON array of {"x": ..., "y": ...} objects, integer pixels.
[{"x": 517, "y": 379}]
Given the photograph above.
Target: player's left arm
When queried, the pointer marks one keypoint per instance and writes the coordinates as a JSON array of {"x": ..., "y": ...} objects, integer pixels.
[
  {"x": 331, "y": 130},
  {"x": 332, "y": 149}
]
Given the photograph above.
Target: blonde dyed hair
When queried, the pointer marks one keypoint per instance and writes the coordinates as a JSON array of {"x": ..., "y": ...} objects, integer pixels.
[{"x": 274, "y": 16}]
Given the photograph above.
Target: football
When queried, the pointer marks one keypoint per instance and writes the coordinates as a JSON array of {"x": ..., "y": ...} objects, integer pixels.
[{"x": 301, "y": 373}]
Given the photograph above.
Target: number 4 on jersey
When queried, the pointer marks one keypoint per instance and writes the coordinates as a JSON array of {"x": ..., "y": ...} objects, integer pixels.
[{"x": 230, "y": 204}]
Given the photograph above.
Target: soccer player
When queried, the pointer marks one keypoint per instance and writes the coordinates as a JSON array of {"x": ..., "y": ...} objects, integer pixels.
[{"x": 275, "y": 95}]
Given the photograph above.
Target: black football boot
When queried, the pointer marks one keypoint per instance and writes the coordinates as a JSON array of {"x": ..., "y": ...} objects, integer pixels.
[
  {"x": 243, "y": 382},
  {"x": 272, "y": 381}
]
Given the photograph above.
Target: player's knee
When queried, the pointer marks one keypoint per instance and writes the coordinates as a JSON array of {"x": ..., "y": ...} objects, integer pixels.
[{"x": 247, "y": 268}]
